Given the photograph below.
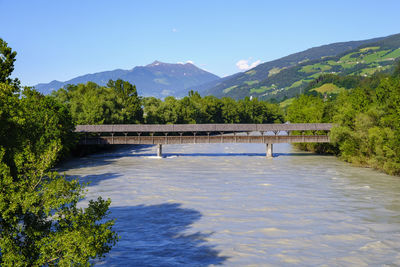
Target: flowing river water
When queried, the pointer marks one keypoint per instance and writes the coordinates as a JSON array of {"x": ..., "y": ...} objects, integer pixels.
[{"x": 226, "y": 204}]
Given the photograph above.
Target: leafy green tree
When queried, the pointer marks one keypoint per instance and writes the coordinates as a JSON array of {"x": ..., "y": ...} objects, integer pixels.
[
  {"x": 127, "y": 101},
  {"x": 46, "y": 120},
  {"x": 230, "y": 110},
  {"x": 306, "y": 109},
  {"x": 7, "y": 59},
  {"x": 311, "y": 109},
  {"x": 9, "y": 111},
  {"x": 212, "y": 109},
  {"x": 116, "y": 103},
  {"x": 41, "y": 223},
  {"x": 396, "y": 72},
  {"x": 150, "y": 110}
]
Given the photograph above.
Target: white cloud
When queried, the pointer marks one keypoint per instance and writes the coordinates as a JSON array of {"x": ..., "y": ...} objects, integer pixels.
[
  {"x": 244, "y": 64},
  {"x": 174, "y": 30}
]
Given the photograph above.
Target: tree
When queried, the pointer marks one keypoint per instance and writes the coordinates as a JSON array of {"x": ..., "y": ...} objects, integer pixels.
[
  {"x": 7, "y": 59},
  {"x": 230, "y": 110},
  {"x": 396, "y": 72},
  {"x": 40, "y": 220},
  {"x": 310, "y": 109},
  {"x": 128, "y": 102},
  {"x": 306, "y": 109},
  {"x": 90, "y": 103}
]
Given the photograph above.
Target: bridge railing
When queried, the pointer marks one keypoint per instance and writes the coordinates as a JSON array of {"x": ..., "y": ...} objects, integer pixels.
[{"x": 180, "y": 128}]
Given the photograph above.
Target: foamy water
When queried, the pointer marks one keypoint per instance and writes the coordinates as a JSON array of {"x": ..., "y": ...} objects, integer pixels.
[{"x": 226, "y": 204}]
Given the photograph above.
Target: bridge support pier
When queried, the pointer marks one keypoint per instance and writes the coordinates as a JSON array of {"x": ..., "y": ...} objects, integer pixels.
[
  {"x": 269, "y": 153},
  {"x": 159, "y": 150}
]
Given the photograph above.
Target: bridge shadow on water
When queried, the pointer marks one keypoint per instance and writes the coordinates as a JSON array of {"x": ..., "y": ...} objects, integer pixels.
[
  {"x": 155, "y": 235},
  {"x": 103, "y": 158}
]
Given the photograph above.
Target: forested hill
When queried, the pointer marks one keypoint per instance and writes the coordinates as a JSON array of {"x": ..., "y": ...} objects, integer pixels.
[
  {"x": 157, "y": 79},
  {"x": 287, "y": 76},
  {"x": 366, "y": 118}
]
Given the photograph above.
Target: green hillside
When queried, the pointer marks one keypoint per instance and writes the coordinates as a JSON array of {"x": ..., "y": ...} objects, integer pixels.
[{"x": 269, "y": 81}]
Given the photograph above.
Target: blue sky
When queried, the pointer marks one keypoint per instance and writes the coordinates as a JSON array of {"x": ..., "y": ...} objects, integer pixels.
[{"x": 59, "y": 40}]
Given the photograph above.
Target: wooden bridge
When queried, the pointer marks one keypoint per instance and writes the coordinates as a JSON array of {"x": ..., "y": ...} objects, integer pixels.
[{"x": 158, "y": 134}]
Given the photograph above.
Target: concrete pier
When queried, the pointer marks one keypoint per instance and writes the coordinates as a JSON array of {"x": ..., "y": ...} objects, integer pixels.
[
  {"x": 270, "y": 150},
  {"x": 159, "y": 150}
]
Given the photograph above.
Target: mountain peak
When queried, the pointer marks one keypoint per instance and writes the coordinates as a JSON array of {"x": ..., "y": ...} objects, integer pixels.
[
  {"x": 155, "y": 63},
  {"x": 158, "y": 63},
  {"x": 156, "y": 79}
]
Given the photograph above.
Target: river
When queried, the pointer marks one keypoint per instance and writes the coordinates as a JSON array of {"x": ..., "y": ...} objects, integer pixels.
[{"x": 226, "y": 204}]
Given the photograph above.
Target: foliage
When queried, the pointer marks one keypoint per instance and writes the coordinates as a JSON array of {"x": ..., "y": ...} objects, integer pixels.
[
  {"x": 396, "y": 72},
  {"x": 40, "y": 221},
  {"x": 45, "y": 120},
  {"x": 367, "y": 121},
  {"x": 116, "y": 103},
  {"x": 7, "y": 59},
  {"x": 307, "y": 109},
  {"x": 310, "y": 109},
  {"x": 209, "y": 109}
]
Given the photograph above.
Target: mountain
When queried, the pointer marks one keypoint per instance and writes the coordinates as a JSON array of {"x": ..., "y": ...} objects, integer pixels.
[
  {"x": 156, "y": 79},
  {"x": 287, "y": 76}
]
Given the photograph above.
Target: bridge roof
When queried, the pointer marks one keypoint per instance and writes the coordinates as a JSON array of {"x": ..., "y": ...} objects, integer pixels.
[{"x": 167, "y": 128}]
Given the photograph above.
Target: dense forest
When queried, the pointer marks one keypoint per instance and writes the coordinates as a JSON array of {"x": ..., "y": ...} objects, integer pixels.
[
  {"x": 209, "y": 109},
  {"x": 367, "y": 119},
  {"x": 118, "y": 103}
]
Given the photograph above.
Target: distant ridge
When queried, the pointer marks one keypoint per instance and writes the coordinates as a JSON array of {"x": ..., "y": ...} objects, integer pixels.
[
  {"x": 157, "y": 79},
  {"x": 285, "y": 77},
  {"x": 277, "y": 79}
]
